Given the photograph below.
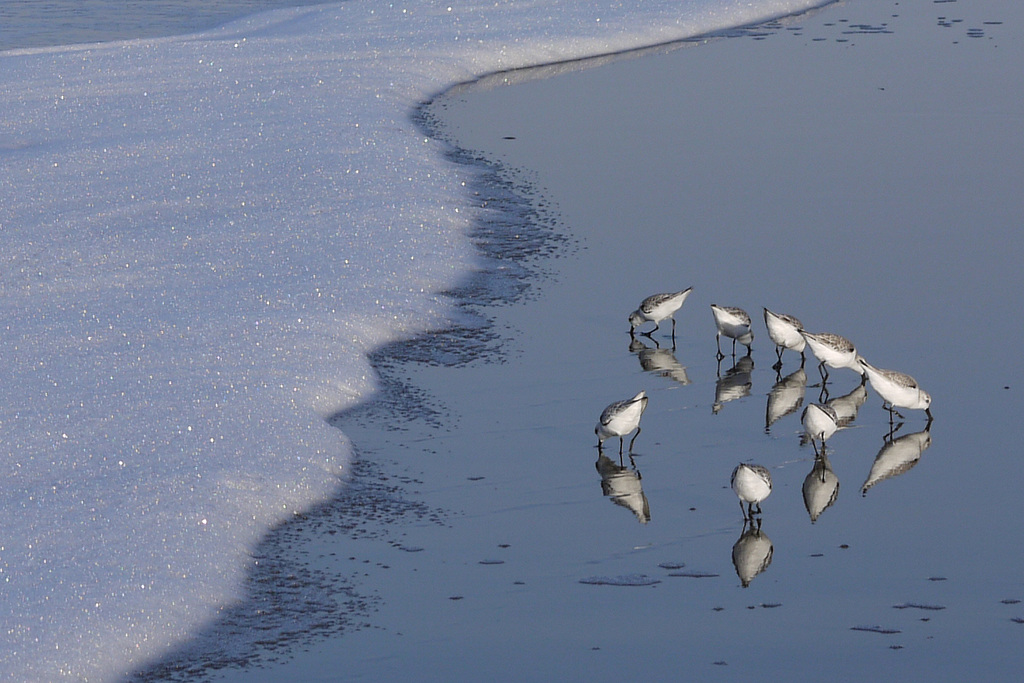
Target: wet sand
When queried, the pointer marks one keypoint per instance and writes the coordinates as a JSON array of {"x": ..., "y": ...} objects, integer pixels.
[{"x": 858, "y": 168}]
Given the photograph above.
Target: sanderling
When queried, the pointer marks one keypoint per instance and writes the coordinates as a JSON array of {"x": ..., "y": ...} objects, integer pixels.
[
  {"x": 820, "y": 423},
  {"x": 732, "y": 322},
  {"x": 656, "y": 308},
  {"x": 785, "y": 330},
  {"x": 752, "y": 484},
  {"x": 621, "y": 418},
  {"x": 833, "y": 351},
  {"x": 897, "y": 389}
]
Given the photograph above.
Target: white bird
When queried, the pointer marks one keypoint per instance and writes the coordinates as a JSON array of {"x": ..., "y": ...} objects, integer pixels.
[
  {"x": 833, "y": 351},
  {"x": 752, "y": 484},
  {"x": 656, "y": 308},
  {"x": 734, "y": 323},
  {"x": 897, "y": 389},
  {"x": 820, "y": 423},
  {"x": 621, "y": 418},
  {"x": 785, "y": 330}
]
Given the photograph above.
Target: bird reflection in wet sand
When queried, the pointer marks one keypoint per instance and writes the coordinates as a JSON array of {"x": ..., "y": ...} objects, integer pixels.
[
  {"x": 820, "y": 423},
  {"x": 752, "y": 552},
  {"x": 735, "y": 383},
  {"x": 785, "y": 331},
  {"x": 751, "y": 484},
  {"x": 622, "y": 485},
  {"x": 786, "y": 397},
  {"x": 897, "y": 456},
  {"x": 656, "y": 308},
  {"x": 848, "y": 406},
  {"x": 733, "y": 323},
  {"x": 897, "y": 390},
  {"x": 821, "y": 487},
  {"x": 659, "y": 361},
  {"x": 621, "y": 418}
]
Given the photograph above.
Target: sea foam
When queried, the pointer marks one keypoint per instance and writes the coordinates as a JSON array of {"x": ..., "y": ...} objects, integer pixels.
[{"x": 202, "y": 239}]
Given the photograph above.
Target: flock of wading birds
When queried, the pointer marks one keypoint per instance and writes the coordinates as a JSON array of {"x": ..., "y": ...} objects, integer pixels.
[{"x": 753, "y": 483}]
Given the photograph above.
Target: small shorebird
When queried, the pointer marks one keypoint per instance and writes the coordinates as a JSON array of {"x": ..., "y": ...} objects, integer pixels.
[
  {"x": 897, "y": 390},
  {"x": 833, "y": 351},
  {"x": 785, "y": 331},
  {"x": 752, "y": 484},
  {"x": 656, "y": 308},
  {"x": 734, "y": 323},
  {"x": 621, "y": 418},
  {"x": 820, "y": 423}
]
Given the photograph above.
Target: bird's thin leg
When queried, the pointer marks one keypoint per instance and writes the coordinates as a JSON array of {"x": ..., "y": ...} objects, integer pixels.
[
  {"x": 718, "y": 341},
  {"x": 928, "y": 412},
  {"x": 633, "y": 439},
  {"x": 673, "y": 330},
  {"x": 620, "y": 448},
  {"x": 743, "y": 511},
  {"x": 823, "y": 371},
  {"x": 734, "y": 348}
]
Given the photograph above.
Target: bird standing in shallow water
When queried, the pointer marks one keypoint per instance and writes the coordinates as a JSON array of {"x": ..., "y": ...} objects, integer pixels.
[
  {"x": 752, "y": 484},
  {"x": 734, "y": 323},
  {"x": 820, "y": 423},
  {"x": 621, "y": 418},
  {"x": 656, "y": 308},
  {"x": 785, "y": 331},
  {"x": 898, "y": 390},
  {"x": 833, "y": 351}
]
